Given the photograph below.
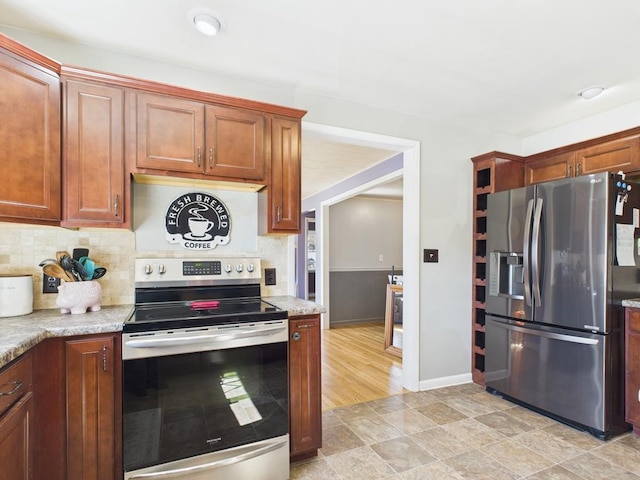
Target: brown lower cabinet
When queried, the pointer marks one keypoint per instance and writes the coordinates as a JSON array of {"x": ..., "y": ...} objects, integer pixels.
[
  {"x": 305, "y": 402},
  {"x": 632, "y": 370},
  {"x": 77, "y": 408},
  {"x": 16, "y": 420},
  {"x": 92, "y": 371}
]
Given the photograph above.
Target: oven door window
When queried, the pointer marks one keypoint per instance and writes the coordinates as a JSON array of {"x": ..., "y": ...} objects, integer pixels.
[{"x": 185, "y": 405}]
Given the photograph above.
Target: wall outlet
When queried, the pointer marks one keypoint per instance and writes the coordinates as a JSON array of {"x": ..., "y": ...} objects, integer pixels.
[
  {"x": 269, "y": 276},
  {"x": 50, "y": 284}
]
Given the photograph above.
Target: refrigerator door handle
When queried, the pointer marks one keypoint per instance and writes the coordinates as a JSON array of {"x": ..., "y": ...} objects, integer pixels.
[
  {"x": 540, "y": 333},
  {"x": 535, "y": 253},
  {"x": 525, "y": 252}
]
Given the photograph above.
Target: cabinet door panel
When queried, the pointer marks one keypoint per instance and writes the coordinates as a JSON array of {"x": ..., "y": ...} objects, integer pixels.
[
  {"x": 170, "y": 134},
  {"x": 16, "y": 432},
  {"x": 30, "y": 139},
  {"x": 623, "y": 154},
  {"x": 633, "y": 380},
  {"x": 549, "y": 168},
  {"x": 91, "y": 408},
  {"x": 235, "y": 142},
  {"x": 285, "y": 184},
  {"x": 305, "y": 385},
  {"x": 94, "y": 154}
]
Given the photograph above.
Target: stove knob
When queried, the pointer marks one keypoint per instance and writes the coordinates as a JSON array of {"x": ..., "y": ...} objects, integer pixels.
[
  {"x": 239, "y": 268},
  {"x": 148, "y": 269},
  {"x": 228, "y": 268},
  {"x": 250, "y": 268},
  {"x": 162, "y": 269}
]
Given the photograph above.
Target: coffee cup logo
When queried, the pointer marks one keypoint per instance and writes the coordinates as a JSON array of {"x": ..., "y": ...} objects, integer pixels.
[{"x": 198, "y": 221}]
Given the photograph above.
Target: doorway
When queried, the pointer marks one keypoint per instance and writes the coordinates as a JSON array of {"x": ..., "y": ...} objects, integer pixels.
[{"x": 410, "y": 227}]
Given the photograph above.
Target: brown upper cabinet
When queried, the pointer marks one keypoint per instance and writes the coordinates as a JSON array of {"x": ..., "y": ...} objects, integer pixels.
[
  {"x": 282, "y": 198},
  {"x": 94, "y": 192},
  {"x": 29, "y": 135},
  {"x": 180, "y": 135},
  {"x": 619, "y": 154}
]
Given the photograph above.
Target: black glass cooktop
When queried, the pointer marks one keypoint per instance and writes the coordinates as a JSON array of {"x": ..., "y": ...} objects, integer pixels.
[{"x": 201, "y": 312}]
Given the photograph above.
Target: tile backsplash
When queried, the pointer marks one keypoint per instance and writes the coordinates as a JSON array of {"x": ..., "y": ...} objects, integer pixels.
[{"x": 23, "y": 247}]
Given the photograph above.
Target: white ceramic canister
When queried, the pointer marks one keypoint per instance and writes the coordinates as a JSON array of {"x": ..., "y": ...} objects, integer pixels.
[{"x": 16, "y": 295}]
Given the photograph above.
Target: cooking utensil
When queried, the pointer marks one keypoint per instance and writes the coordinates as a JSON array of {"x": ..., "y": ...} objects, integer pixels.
[
  {"x": 55, "y": 270},
  {"x": 99, "y": 272},
  {"x": 67, "y": 264},
  {"x": 48, "y": 261},
  {"x": 89, "y": 266},
  {"x": 60, "y": 255},
  {"x": 78, "y": 253},
  {"x": 79, "y": 271}
]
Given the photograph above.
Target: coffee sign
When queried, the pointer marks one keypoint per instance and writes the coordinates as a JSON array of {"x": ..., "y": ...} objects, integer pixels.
[{"x": 198, "y": 221}]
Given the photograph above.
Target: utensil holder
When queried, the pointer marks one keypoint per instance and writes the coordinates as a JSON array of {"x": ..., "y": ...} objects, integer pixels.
[{"x": 78, "y": 297}]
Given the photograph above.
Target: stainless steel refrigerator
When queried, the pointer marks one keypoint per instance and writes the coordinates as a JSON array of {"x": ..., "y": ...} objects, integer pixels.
[{"x": 561, "y": 256}]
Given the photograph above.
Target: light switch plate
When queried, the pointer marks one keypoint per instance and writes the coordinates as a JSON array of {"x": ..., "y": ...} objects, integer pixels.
[{"x": 430, "y": 255}]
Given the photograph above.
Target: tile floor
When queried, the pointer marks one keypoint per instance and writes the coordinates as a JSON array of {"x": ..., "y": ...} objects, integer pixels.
[{"x": 460, "y": 432}]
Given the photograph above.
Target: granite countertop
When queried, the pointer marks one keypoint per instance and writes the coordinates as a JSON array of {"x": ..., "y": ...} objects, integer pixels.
[
  {"x": 631, "y": 302},
  {"x": 296, "y": 306},
  {"x": 19, "y": 334}
]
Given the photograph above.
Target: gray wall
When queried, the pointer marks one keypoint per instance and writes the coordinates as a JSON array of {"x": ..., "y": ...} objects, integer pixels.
[{"x": 358, "y": 296}]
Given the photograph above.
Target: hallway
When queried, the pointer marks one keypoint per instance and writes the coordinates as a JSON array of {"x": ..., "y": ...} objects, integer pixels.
[{"x": 355, "y": 367}]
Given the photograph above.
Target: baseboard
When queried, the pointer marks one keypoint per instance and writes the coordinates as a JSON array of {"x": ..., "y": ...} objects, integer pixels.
[{"x": 445, "y": 381}]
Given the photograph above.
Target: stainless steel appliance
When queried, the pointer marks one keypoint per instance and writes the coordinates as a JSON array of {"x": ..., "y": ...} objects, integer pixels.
[
  {"x": 205, "y": 383},
  {"x": 562, "y": 256}
]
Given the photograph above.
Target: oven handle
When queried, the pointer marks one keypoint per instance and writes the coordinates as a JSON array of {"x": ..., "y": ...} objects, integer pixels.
[
  {"x": 215, "y": 464},
  {"x": 194, "y": 339}
]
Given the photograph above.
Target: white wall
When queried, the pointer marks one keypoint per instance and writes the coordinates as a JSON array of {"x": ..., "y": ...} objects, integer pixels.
[
  {"x": 446, "y": 185},
  {"x": 150, "y": 204},
  {"x": 612, "y": 121},
  {"x": 361, "y": 229}
]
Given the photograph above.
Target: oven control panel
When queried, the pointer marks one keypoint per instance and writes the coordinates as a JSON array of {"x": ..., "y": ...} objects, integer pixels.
[
  {"x": 190, "y": 268},
  {"x": 228, "y": 270}
]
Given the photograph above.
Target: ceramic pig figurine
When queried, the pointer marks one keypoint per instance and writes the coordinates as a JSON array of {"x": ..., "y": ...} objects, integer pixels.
[{"x": 78, "y": 297}]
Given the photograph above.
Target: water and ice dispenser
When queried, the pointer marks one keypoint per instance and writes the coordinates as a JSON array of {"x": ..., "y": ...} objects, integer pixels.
[{"x": 506, "y": 275}]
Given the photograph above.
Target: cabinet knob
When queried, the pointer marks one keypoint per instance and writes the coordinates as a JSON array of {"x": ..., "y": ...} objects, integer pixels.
[{"x": 296, "y": 336}]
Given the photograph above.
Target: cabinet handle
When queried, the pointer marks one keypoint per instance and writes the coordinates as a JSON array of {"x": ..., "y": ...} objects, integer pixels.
[
  {"x": 116, "y": 204},
  {"x": 278, "y": 208},
  {"x": 568, "y": 171},
  {"x": 17, "y": 385},
  {"x": 104, "y": 358},
  {"x": 199, "y": 157},
  {"x": 577, "y": 169},
  {"x": 296, "y": 336},
  {"x": 305, "y": 325},
  {"x": 211, "y": 158}
]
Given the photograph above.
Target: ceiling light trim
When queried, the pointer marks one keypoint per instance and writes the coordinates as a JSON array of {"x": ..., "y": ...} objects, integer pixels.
[
  {"x": 591, "y": 92},
  {"x": 206, "y": 21}
]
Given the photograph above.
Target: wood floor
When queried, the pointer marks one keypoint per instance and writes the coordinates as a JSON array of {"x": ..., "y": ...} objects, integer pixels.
[{"x": 355, "y": 367}]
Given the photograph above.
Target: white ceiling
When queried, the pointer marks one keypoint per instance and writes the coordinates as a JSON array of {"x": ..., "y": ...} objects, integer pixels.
[{"x": 504, "y": 66}]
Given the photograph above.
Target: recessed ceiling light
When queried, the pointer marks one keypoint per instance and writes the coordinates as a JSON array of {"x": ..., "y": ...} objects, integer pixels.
[
  {"x": 205, "y": 21},
  {"x": 591, "y": 92}
]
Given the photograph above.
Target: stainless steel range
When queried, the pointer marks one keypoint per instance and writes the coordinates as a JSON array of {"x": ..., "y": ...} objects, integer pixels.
[{"x": 205, "y": 384}]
